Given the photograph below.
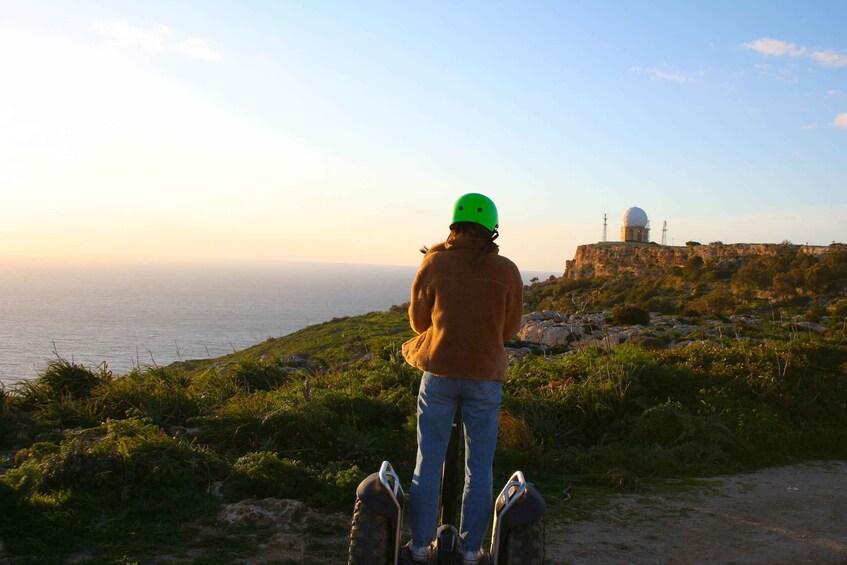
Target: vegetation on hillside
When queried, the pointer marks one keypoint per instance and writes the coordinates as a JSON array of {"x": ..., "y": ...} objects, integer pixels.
[
  {"x": 791, "y": 280},
  {"x": 120, "y": 468}
]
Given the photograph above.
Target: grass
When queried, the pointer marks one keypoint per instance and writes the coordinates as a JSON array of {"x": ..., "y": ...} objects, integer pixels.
[
  {"x": 336, "y": 342},
  {"x": 99, "y": 455}
]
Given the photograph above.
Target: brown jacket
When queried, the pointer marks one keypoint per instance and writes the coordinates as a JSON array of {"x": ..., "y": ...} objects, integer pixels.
[{"x": 464, "y": 305}]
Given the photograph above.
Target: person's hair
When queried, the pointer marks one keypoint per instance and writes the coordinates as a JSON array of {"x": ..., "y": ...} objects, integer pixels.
[{"x": 473, "y": 229}]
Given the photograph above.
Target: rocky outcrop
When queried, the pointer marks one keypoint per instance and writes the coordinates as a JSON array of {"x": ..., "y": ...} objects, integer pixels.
[
  {"x": 275, "y": 512},
  {"x": 287, "y": 523},
  {"x": 547, "y": 331},
  {"x": 611, "y": 258}
]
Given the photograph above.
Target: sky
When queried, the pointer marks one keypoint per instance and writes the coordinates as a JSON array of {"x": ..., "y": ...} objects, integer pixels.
[{"x": 157, "y": 131}]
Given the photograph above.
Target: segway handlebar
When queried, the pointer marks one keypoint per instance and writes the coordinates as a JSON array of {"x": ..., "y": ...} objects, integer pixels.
[
  {"x": 518, "y": 503},
  {"x": 386, "y": 472}
]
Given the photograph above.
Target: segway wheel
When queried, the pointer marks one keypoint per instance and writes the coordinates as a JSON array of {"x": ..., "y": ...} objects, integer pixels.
[
  {"x": 524, "y": 545},
  {"x": 370, "y": 538}
]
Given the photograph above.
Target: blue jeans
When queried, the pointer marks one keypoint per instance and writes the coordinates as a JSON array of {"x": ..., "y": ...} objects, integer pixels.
[{"x": 437, "y": 402}]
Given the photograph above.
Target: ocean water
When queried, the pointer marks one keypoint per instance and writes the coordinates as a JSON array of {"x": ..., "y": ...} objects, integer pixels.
[{"x": 128, "y": 316}]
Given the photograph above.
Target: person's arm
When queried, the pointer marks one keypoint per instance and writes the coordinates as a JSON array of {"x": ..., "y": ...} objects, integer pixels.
[
  {"x": 514, "y": 306},
  {"x": 420, "y": 305}
]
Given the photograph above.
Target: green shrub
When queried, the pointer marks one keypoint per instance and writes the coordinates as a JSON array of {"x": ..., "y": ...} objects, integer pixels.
[
  {"x": 281, "y": 421},
  {"x": 337, "y": 485},
  {"x": 121, "y": 456},
  {"x": 61, "y": 379},
  {"x": 647, "y": 342},
  {"x": 157, "y": 393},
  {"x": 251, "y": 376},
  {"x": 630, "y": 314},
  {"x": 670, "y": 424},
  {"x": 661, "y": 304},
  {"x": 5, "y": 419},
  {"x": 62, "y": 396},
  {"x": 263, "y": 474},
  {"x": 838, "y": 308}
]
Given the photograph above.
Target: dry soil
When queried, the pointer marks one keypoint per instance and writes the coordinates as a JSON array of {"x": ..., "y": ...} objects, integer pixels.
[{"x": 795, "y": 514}]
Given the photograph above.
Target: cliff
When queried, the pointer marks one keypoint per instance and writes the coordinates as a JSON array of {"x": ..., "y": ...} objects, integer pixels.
[{"x": 611, "y": 258}]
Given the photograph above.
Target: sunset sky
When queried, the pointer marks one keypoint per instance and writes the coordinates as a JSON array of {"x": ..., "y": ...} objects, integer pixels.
[{"x": 344, "y": 131}]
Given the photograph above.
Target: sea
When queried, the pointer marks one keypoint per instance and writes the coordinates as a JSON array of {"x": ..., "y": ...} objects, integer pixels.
[{"x": 128, "y": 316}]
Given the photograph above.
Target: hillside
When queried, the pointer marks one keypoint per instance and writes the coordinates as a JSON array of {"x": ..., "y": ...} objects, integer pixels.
[
  {"x": 618, "y": 381},
  {"x": 701, "y": 280},
  {"x": 337, "y": 341},
  {"x": 611, "y": 258}
]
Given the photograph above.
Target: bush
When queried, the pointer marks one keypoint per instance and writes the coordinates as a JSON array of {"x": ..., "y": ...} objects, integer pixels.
[
  {"x": 647, "y": 342},
  {"x": 121, "y": 456},
  {"x": 631, "y": 314},
  {"x": 251, "y": 376},
  {"x": 264, "y": 474},
  {"x": 670, "y": 424},
  {"x": 661, "y": 304},
  {"x": 156, "y": 393},
  {"x": 838, "y": 308},
  {"x": 61, "y": 379},
  {"x": 5, "y": 420}
]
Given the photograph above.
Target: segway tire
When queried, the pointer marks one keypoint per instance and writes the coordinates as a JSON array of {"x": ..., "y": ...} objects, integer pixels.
[
  {"x": 524, "y": 545},
  {"x": 370, "y": 538}
]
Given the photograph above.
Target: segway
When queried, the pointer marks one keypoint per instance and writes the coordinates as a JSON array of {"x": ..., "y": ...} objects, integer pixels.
[
  {"x": 517, "y": 536},
  {"x": 377, "y": 519}
]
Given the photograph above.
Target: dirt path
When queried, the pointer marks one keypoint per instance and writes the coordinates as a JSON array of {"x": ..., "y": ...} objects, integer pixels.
[
  {"x": 785, "y": 515},
  {"x": 795, "y": 514}
]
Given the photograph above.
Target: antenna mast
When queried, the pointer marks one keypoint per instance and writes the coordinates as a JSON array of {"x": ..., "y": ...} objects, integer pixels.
[
  {"x": 665, "y": 232},
  {"x": 604, "y": 228}
]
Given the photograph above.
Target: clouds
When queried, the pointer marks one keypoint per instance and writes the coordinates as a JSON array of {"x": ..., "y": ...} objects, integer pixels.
[
  {"x": 824, "y": 57},
  {"x": 830, "y": 58},
  {"x": 128, "y": 35},
  {"x": 664, "y": 74},
  {"x": 778, "y": 48},
  {"x": 156, "y": 40},
  {"x": 197, "y": 48},
  {"x": 775, "y": 47}
]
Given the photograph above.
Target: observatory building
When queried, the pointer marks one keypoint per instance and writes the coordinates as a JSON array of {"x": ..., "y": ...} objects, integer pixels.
[{"x": 635, "y": 226}]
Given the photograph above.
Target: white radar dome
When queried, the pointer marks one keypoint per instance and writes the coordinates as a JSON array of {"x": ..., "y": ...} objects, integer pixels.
[{"x": 635, "y": 217}]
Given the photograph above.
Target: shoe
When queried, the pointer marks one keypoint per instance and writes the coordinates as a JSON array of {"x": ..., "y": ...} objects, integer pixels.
[
  {"x": 478, "y": 557},
  {"x": 411, "y": 555}
]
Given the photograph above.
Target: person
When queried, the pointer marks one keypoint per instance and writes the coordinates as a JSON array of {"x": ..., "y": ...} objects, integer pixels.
[{"x": 466, "y": 299}]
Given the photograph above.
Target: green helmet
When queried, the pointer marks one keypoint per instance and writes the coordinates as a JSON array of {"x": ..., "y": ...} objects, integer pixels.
[{"x": 476, "y": 208}]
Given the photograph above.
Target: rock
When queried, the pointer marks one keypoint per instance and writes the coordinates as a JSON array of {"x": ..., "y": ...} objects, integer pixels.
[
  {"x": 216, "y": 489},
  {"x": 293, "y": 360},
  {"x": 611, "y": 258},
  {"x": 551, "y": 333},
  {"x": 182, "y": 431},
  {"x": 543, "y": 315},
  {"x": 271, "y": 512},
  {"x": 605, "y": 341},
  {"x": 648, "y": 342},
  {"x": 811, "y": 327}
]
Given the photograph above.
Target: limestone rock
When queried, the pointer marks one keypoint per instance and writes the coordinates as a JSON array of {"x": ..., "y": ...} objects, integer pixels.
[
  {"x": 611, "y": 258},
  {"x": 271, "y": 512}
]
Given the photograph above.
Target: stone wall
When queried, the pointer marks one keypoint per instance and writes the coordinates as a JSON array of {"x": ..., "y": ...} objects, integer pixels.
[{"x": 610, "y": 258}]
